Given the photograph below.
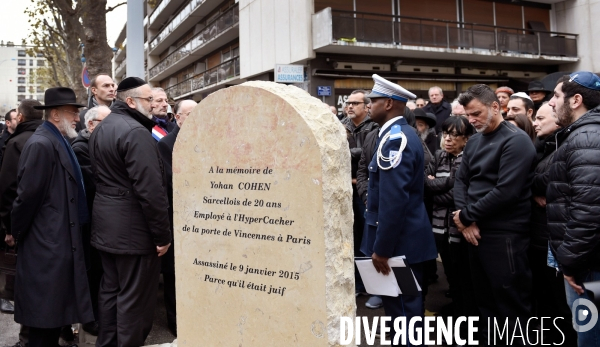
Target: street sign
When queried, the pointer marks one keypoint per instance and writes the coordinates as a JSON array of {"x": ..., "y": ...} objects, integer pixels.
[
  {"x": 324, "y": 91},
  {"x": 85, "y": 77},
  {"x": 289, "y": 73}
]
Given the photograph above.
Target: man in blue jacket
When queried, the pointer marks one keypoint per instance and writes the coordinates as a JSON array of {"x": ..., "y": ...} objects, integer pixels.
[{"x": 396, "y": 219}]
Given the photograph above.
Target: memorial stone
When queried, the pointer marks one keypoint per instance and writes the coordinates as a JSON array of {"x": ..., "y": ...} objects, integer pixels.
[{"x": 262, "y": 220}]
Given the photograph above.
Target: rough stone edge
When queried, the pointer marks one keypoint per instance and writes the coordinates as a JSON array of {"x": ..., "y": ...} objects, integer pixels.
[{"x": 337, "y": 217}]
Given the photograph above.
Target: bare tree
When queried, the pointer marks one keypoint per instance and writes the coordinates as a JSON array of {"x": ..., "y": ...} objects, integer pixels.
[{"x": 59, "y": 27}]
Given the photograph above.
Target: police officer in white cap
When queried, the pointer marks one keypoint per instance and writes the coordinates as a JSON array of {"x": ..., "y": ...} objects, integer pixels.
[{"x": 396, "y": 219}]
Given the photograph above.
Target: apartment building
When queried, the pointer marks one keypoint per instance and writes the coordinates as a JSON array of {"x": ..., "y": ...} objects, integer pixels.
[
  {"x": 194, "y": 47},
  {"x": 18, "y": 76}
]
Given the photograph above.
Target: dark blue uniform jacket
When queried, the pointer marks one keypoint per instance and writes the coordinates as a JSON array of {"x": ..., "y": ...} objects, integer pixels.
[{"x": 396, "y": 220}]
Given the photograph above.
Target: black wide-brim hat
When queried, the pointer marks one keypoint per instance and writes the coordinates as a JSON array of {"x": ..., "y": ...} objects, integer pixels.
[
  {"x": 60, "y": 96},
  {"x": 429, "y": 118},
  {"x": 538, "y": 86}
]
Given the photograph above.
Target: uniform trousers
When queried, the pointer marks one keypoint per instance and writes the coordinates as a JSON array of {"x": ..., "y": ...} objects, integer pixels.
[
  {"x": 501, "y": 281},
  {"x": 127, "y": 298},
  {"x": 405, "y": 305}
]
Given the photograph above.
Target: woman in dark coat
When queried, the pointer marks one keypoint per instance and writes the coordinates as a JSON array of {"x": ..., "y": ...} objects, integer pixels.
[{"x": 439, "y": 184}]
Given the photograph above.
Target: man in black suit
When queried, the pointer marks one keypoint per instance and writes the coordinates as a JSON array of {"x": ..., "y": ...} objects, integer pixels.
[{"x": 165, "y": 149}]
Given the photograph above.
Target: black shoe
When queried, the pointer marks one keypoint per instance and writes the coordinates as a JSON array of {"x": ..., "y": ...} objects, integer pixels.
[
  {"x": 91, "y": 328},
  {"x": 6, "y": 307}
]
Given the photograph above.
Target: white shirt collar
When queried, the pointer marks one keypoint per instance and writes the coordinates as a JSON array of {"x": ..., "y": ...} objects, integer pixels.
[{"x": 388, "y": 124}]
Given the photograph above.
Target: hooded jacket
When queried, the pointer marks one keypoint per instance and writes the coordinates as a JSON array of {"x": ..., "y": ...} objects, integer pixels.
[{"x": 573, "y": 196}]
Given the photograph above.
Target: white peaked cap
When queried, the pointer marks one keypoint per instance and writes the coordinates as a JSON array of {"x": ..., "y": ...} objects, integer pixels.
[{"x": 386, "y": 89}]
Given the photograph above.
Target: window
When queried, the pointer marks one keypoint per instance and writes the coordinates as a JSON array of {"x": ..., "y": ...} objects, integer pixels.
[
  {"x": 21, "y": 53},
  {"x": 21, "y": 89},
  {"x": 21, "y": 80},
  {"x": 39, "y": 80},
  {"x": 40, "y": 63},
  {"x": 30, "y": 62},
  {"x": 40, "y": 89},
  {"x": 40, "y": 97},
  {"x": 22, "y": 62},
  {"x": 20, "y": 97},
  {"x": 22, "y": 71},
  {"x": 39, "y": 54}
]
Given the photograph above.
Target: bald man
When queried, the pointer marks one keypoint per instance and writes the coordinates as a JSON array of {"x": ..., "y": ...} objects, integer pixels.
[{"x": 165, "y": 149}]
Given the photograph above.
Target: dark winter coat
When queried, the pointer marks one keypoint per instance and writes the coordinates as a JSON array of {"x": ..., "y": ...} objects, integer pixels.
[
  {"x": 359, "y": 133},
  {"x": 442, "y": 112},
  {"x": 51, "y": 288},
  {"x": 441, "y": 189},
  {"x": 130, "y": 214},
  {"x": 165, "y": 149},
  {"x": 82, "y": 152},
  {"x": 539, "y": 223},
  {"x": 573, "y": 196},
  {"x": 10, "y": 166}
]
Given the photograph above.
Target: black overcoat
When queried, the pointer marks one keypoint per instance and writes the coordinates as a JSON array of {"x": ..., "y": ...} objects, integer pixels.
[{"x": 51, "y": 288}]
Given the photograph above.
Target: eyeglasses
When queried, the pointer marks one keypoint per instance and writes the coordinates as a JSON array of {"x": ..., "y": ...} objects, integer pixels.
[
  {"x": 458, "y": 114},
  {"x": 354, "y": 103},
  {"x": 452, "y": 136},
  {"x": 149, "y": 99}
]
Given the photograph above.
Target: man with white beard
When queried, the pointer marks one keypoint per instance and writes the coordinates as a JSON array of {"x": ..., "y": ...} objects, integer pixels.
[
  {"x": 130, "y": 220},
  {"x": 51, "y": 288}
]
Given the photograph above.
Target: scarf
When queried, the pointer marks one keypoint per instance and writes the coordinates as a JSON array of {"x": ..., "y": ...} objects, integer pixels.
[{"x": 82, "y": 209}]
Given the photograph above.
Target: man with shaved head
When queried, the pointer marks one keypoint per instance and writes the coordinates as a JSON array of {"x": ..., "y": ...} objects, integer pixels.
[
  {"x": 438, "y": 106},
  {"x": 165, "y": 148}
]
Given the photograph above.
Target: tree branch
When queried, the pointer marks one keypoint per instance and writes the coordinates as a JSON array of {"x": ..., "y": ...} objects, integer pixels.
[{"x": 117, "y": 5}]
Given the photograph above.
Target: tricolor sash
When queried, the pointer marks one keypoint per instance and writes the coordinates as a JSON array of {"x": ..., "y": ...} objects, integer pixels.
[{"x": 158, "y": 133}]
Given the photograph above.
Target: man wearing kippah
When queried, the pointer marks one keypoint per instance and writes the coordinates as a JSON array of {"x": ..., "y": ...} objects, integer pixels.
[
  {"x": 130, "y": 221},
  {"x": 572, "y": 199},
  {"x": 396, "y": 220}
]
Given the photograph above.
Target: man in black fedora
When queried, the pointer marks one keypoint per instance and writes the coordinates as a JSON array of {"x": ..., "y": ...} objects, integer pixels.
[
  {"x": 538, "y": 94},
  {"x": 51, "y": 289},
  {"x": 425, "y": 123},
  {"x": 130, "y": 216}
]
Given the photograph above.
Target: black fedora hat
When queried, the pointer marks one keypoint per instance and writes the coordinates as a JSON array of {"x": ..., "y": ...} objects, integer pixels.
[
  {"x": 429, "y": 118},
  {"x": 537, "y": 86},
  {"x": 60, "y": 96}
]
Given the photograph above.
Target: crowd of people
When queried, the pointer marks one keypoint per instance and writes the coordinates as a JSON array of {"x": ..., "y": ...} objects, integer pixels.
[
  {"x": 500, "y": 184},
  {"x": 509, "y": 187},
  {"x": 86, "y": 201}
]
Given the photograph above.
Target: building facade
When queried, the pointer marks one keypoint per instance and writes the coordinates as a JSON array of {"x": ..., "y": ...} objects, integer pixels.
[
  {"x": 18, "y": 76},
  {"x": 194, "y": 47}
]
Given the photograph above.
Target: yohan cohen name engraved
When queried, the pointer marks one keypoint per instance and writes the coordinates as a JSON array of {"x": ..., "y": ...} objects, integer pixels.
[{"x": 241, "y": 185}]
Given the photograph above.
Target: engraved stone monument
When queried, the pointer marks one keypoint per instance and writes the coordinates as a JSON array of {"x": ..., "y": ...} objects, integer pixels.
[{"x": 262, "y": 220}]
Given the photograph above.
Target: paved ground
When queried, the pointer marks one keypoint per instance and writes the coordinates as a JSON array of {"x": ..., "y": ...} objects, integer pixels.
[{"x": 434, "y": 303}]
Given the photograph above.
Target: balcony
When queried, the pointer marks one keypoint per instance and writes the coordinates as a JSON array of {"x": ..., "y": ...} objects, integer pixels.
[
  {"x": 184, "y": 20},
  {"x": 120, "y": 69},
  {"x": 374, "y": 34},
  {"x": 199, "y": 45},
  {"x": 162, "y": 12},
  {"x": 228, "y": 71}
]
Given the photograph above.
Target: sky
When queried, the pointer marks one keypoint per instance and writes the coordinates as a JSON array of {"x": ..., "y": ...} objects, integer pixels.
[{"x": 14, "y": 26}]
